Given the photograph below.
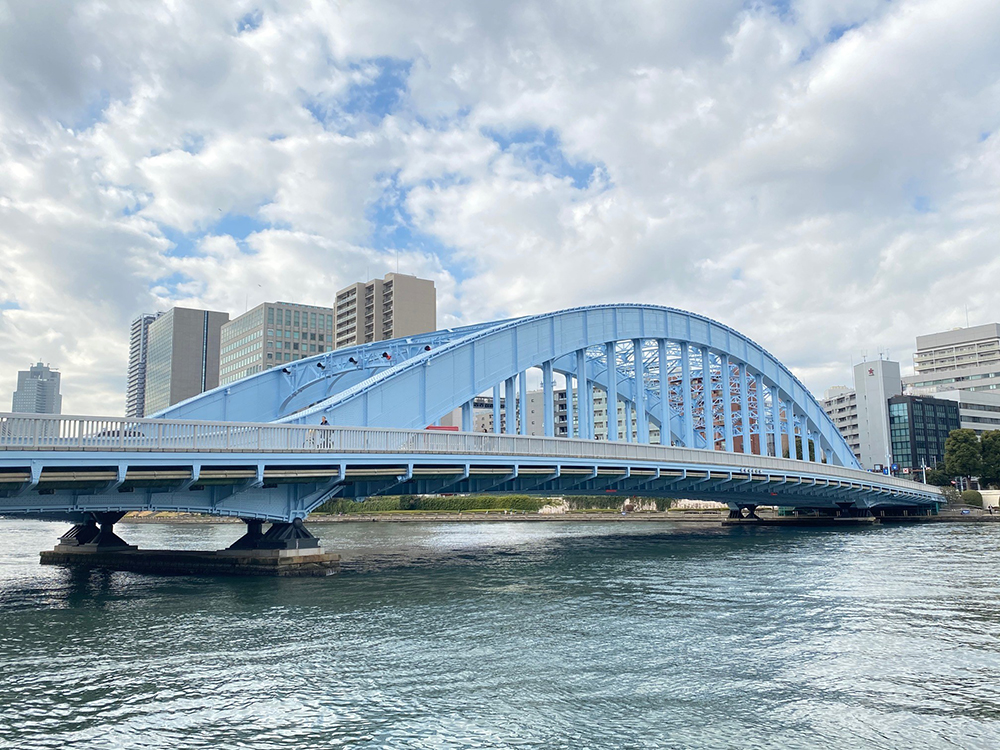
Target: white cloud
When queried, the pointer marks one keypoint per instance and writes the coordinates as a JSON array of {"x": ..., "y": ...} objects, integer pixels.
[{"x": 824, "y": 178}]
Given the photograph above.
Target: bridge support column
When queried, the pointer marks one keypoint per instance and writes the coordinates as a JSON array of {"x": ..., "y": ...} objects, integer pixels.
[
  {"x": 727, "y": 401},
  {"x": 497, "y": 418},
  {"x": 467, "y": 420},
  {"x": 686, "y": 395},
  {"x": 548, "y": 402},
  {"x": 776, "y": 420},
  {"x": 522, "y": 387},
  {"x": 569, "y": 405},
  {"x": 641, "y": 421},
  {"x": 758, "y": 388},
  {"x": 707, "y": 398},
  {"x": 745, "y": 408},
  {"x": 611, "y": 355},
  {"x": 510, "y": 407},
  {"x": 661, "y": 354},
  {"x": 585, "y": 410},
  {"x": 790, "y": 426},
  {"x": 708, "y": 389}
]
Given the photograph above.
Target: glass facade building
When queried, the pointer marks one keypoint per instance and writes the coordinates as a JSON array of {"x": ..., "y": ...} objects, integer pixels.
[{"x": 919, "y": 426}]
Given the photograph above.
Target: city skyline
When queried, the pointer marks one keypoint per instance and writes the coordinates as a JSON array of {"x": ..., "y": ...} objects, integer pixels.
[{"x": 823, "y": 179}]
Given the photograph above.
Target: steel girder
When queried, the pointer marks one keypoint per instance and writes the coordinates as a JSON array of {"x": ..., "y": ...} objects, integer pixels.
[{"x": 284, "y": 486}]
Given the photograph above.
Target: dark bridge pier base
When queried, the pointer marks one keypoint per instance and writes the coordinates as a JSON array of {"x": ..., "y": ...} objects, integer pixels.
[
  {"x": 287, "y": 549},
  {"x": 87, "y": 535},
  {"x": 281, "y": 536}
]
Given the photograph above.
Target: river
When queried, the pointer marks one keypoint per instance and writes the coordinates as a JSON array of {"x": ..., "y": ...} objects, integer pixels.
[{"x": 507, "y": 635}]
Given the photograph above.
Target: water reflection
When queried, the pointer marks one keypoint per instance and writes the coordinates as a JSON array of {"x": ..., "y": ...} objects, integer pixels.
[{"x": 515, "y": 635}]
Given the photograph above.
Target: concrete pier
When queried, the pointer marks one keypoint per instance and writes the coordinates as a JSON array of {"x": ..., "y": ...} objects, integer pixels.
[
  {"x": 287, "y": 550},
  {"x": 284, "y": 563}
]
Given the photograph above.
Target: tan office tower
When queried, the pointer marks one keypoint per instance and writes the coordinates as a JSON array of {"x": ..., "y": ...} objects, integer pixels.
[
  {"x": 389, "y": 308},
  {"x": 182, "y": 359},
  {"x": 271, "y": 334}
]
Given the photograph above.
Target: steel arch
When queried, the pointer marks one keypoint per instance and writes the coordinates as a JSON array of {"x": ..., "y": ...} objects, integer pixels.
[{"x": 425, "y": 387}]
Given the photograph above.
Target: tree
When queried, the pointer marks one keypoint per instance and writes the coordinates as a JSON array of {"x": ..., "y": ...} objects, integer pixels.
[
  {"x": 962, "y": 456},
  {"x": 798, "y": 450},
  {"x": 989, "y": 445},
  {"x": 971, "y": 497},
  {"x": 938, "y": 477}
]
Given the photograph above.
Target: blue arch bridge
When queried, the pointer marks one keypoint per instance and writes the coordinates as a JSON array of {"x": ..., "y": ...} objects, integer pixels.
[{"x": 723, "y": 413}]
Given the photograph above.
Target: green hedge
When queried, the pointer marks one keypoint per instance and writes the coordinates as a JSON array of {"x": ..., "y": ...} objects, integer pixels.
[
  {"x": 453, "y": 503},
  {"x": 477, "y": 502}
]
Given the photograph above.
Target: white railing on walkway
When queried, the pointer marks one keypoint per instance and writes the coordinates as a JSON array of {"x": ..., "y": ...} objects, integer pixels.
[{"x": 21, "y": 432}]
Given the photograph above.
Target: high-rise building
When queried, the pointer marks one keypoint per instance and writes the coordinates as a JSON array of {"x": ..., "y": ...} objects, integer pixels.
[
  {"x": 271, "y": 334},
  {"x": 182, "y": 357},
  {"x": 395, "y": 306},
  {"x": 37, "y": 391},
  {"x": 962, "y": 359},
  {"x": 138, "y": 346},
  {"x": 861, "y": 415}
]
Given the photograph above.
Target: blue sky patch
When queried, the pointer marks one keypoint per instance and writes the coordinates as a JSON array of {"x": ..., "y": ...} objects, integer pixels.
[
  {"x": 237, "y": 226},
  {"x": 370, "y": 101},
  {"x": 92, "y": 113},
  {"x": 392, "y": 229},
  {"x": 542, "y": 152},
  {"x": 922, "y": 204},
  {"x": 249, "y": 22}
]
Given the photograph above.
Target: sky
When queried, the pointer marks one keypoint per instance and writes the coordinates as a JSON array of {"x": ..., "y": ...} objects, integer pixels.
[{"x": 823, "y": 177}]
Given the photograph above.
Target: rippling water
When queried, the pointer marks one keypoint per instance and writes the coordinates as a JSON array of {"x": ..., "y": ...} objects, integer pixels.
[{"x": 622, "y": 635}]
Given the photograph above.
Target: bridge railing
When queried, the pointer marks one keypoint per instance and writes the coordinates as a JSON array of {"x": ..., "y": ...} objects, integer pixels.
[{"x": 19, "y": 432}]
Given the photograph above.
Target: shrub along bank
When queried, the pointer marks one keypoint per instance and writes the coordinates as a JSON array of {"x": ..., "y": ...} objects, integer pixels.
[{"x": 457, "y": 503}]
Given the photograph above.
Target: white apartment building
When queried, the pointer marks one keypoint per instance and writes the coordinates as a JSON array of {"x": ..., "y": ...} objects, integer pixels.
[
  {"x": 961, "y": 359},
  {"x": 841, "y": 404},
  {"x": 271, "y": 334},
  {"x": 977, "y": 411},
  {"x": 395, "y": 306}
]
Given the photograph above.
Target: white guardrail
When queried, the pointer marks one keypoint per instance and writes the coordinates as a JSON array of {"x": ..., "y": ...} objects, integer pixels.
[{"x": 19, "y": 432}]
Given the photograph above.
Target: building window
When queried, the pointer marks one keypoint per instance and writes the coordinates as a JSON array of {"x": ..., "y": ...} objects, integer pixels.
[{"x": 295, "y": 347}]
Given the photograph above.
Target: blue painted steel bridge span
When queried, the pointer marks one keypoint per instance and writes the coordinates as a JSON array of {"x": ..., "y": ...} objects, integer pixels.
[{"x": 727, "y": 410}]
